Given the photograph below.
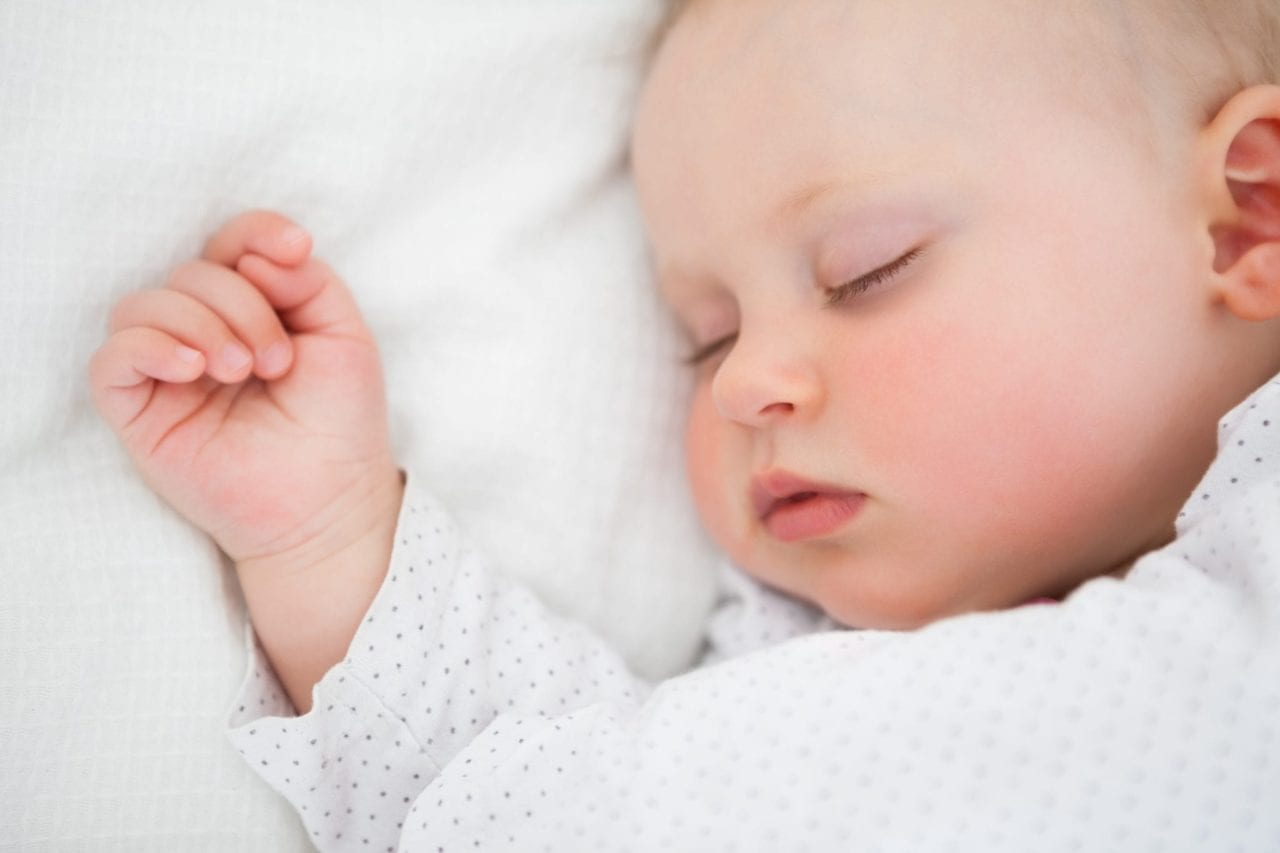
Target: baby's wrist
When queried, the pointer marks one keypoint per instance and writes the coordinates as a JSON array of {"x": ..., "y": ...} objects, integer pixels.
[
  {"x": 362, "y": 520},
  {"x": 306, "y": 603}
]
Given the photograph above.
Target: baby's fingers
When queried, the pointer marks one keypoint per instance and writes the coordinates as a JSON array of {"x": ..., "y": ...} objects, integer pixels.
[
  {"x": 190, "y": 322},
  {"x": 310, "y": 297},
  {"x": 244, "y": 310},
  {"x": 262, "y": 231},
  {"x": 123, "y": 370}
]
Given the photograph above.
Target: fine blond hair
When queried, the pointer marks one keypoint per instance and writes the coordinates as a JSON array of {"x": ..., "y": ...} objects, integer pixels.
[
  {"x": 1192, "y": 54},
  {"x": 1196, "y": 54}
]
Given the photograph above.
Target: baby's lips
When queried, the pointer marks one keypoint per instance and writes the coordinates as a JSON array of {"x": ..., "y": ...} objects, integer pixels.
[{"x": 775, "y": 486}]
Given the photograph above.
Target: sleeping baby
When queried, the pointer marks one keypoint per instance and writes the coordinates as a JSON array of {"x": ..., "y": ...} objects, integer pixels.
[{"x": 983, "y": 301}]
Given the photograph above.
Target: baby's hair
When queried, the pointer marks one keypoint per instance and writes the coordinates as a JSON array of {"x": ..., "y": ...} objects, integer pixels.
[
  {"x": 1207, "y": 50},
  {"x": 1187, "y": 54}
]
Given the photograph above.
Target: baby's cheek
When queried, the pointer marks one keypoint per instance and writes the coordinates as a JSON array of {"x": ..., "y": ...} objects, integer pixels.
[
  {"x": 975, "y": 431},
  {"x": 704, "y": 444}
]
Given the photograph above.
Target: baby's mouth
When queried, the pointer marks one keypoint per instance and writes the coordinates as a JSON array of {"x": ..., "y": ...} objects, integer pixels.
[
  {"x": 793, "y": 509},
  {"x": 798, "y": 497}
]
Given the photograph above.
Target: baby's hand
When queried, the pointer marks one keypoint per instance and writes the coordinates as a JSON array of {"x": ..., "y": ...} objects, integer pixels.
[{"x": 249, "y": 394}]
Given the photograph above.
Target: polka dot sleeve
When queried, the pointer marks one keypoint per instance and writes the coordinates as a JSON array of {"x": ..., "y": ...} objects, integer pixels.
[
  {"x": 1138, "y": 714},
  {"x": 446, "y": 649},
  {"x": 749, "y": 616}
]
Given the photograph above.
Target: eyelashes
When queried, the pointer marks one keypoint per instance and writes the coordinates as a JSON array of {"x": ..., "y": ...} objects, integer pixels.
[
  {"x": 836, "y": 296},
  {"x": 863, "y": 283},
  {"x": 707, "y": 351}
]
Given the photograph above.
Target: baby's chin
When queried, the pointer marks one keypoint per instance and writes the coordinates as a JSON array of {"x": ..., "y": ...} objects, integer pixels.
[
  {"x": 888, "y": 616},
  {"x": 883, "y": 594},
  {"x": 840, "y": 587}
]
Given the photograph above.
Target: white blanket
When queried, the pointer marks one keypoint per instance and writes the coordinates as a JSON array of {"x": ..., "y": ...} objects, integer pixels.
[{"x": 462, "y": 165}]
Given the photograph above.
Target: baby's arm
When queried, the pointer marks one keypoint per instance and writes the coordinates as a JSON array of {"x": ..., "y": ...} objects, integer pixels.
[
  {"x": 449, "y": 654},
  {"x": 248, "y": 392}
]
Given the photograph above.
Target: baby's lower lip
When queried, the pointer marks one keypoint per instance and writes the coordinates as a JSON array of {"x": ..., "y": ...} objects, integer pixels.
[{"x": 812, "y": 517}]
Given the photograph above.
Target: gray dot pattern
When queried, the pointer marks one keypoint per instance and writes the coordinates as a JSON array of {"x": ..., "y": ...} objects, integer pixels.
[{"x": 1141, "y": 714}]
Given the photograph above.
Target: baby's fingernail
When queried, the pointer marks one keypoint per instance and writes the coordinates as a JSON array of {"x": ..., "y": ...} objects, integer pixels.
[
  {"x": 274, "y": 359},
  {"x": 235, "y": 356},
  {"x": 187, "y": 354},
  {"x": 293, "y": 235}
]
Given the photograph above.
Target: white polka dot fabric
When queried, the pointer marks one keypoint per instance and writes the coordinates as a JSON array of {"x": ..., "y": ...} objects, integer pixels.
[{"x": 1141, "y": 714}]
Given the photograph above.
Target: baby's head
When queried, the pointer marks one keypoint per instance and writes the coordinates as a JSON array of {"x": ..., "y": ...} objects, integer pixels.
[{"x": 971, "y": 283}]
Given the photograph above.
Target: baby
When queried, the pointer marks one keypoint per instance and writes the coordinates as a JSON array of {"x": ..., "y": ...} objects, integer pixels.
[{"x": 969, "y": 288}]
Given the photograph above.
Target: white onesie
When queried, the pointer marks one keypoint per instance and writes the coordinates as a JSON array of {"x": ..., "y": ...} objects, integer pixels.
[{"x": 1139, "y": 714}]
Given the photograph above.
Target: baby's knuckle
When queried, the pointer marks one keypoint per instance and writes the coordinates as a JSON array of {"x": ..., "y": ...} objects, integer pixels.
[
  {"x": 324, "y": 274},
  {"x": 187, "y": 276},
  {"x": 96, "y": 362},
  {"x": 251, "y": 327},
  {"x": 112, "y": 352},
  {"x": 259, "y": 219},
  {"x": 262, "y": 215},
  {"x": 124, "y": 310}
]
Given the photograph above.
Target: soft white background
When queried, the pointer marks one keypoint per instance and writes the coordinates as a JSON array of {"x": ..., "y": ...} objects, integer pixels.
[{"x": 462, "y": 165}]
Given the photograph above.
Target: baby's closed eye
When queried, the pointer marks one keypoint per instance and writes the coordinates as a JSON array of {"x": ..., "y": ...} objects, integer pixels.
[
  {"x": 709, "y": 351},
  {"x": 870, "y": 281}
]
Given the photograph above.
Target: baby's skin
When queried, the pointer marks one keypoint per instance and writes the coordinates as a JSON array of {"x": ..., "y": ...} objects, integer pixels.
[{"x": 248, "y": 392}]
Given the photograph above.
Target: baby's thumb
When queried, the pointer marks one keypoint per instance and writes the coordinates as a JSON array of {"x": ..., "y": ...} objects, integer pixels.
[{"x": 310, "y": 298}]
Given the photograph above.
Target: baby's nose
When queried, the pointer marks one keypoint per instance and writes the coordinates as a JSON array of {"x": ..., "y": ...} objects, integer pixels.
[{"x": 758, "y": 384}]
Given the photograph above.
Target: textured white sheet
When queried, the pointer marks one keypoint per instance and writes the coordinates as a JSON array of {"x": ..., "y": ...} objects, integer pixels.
[{"x": 461, "y": 164}]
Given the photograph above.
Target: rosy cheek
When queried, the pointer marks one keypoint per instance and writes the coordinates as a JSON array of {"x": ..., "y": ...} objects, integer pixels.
[
  {"x": 950, "y": 412},
  {"x": 704, "y": 445}
]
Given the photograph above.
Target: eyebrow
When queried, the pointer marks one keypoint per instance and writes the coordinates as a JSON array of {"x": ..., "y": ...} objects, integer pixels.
[
  {"x": 802, "y": 201},
  {"x": 795, "y": 205}
]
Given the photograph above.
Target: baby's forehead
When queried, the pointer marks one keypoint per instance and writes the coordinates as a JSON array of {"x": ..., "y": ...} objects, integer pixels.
[
  {"x": 754, "y": 108},
  {"x": 1021, "y": 37},
  {"x": 895, "y": 57},
  {"x": 873, "y": 56}
]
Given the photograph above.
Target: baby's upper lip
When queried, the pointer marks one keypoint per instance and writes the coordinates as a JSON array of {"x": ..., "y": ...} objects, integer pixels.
[{"x": 772, "y": 488}]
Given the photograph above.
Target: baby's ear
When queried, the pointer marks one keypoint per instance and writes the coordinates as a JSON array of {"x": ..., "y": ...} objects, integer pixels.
[{"x": 1241, "y": 147}]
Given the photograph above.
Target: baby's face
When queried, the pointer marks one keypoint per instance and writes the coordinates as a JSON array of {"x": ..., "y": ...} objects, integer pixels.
[{"x": 967, "y": 349}]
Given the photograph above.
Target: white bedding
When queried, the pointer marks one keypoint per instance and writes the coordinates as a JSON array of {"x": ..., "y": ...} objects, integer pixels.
[{"x": 461, "y": 163}]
